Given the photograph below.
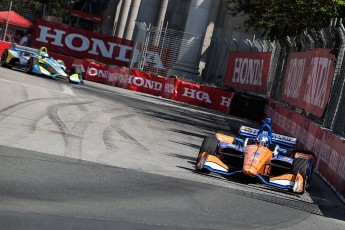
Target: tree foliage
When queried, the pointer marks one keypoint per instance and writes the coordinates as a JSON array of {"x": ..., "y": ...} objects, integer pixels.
[{"x": 281, "y": 18}]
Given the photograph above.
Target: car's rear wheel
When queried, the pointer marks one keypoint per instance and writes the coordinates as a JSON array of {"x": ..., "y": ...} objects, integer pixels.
[{"x": 4, "y": 56}]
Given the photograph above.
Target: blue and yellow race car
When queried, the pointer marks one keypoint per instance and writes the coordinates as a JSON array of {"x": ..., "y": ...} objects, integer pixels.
[{"x": 38, "y": 62}]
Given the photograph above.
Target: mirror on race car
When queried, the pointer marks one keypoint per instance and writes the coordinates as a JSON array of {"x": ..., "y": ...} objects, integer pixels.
[
  {"x": 281, "y": 151},
  {"x": 239, "y": 140}
]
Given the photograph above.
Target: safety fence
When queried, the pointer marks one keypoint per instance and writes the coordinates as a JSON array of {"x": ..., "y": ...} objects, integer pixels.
[
  {"x": 174, "y": 48},
  {"x": 18, "y": 17}
]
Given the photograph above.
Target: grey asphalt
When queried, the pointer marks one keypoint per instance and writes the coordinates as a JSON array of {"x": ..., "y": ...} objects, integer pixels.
[{"x": 96, "y": 157}]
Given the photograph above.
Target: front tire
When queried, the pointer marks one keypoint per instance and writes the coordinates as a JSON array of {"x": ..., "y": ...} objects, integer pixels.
[
  {"x": 208, "y": 146},
  {"x": 301, "y": 165},
  {"x": 30, "y": 64}
]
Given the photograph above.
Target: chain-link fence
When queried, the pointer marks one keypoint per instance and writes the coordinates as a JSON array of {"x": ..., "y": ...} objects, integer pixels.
[
  {"x": 310, "y": 40},
  {"x": 334, "y": 115},
  {"x": 221, "y": 47},
  {"x": 160, "y": 50},
  {"x": 332, "y": 37},
  {"x": 18, "y": 12}
]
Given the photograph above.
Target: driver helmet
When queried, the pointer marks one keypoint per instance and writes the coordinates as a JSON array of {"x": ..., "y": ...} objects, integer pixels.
[
  {"x": 268, "y": 121},
  {"x": 263, "y": 140},
  {"x": 44, "y": 55}
]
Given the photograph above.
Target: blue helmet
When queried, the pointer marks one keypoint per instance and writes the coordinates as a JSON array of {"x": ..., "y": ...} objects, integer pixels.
[
  {"x": 268, "y": 121},
  {"x": 262, "y": 139}
]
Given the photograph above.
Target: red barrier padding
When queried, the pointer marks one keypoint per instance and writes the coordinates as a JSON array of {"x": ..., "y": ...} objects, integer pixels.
[
  {"x": 3, "y": 46},
  {"x": 328, "y": 148},
  {"x": 146, "y": 83},
  {"x": 171, "y": 88}
]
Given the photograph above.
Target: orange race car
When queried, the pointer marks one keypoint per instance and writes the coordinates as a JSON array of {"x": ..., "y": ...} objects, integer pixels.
[{"x": 270, "y": 157}]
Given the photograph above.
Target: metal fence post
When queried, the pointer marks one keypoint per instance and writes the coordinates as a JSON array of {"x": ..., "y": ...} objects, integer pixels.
[
  {"x": 337, "y": 84},
  {"x": 144, "y": 50},
  {"x": 8, "y": 21}
]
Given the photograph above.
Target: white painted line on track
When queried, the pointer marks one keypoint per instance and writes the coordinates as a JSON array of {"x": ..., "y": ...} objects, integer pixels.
[{"x": 65, "y": 91}]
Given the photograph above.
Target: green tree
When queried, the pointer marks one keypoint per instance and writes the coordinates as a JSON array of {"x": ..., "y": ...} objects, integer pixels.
[{"x": 281, "y": 18}]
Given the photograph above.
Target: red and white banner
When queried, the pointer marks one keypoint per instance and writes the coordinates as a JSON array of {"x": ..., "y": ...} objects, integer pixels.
[
  {"x": 146, "y": 83},
  {"x": 308, "y": 80},
  {"x": 80, "y": 43},
  {"x": 248, "y": 71},
  {"x": 171, "y": 88}
]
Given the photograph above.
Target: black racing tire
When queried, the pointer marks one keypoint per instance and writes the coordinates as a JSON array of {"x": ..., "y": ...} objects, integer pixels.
[
  {"x": 209, "y": 145},
  {"x": 300, "y": 165},
  {"x": 4, "y": 56},
  {"x": 30, "y": 64},
  {"x": 75, "y": 69}
]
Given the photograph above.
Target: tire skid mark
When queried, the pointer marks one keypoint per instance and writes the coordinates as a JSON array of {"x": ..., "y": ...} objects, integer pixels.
[
  {"x": 53, "y": 116},
  {"x": 34, "y": 126},
  {"x": 20, "y": 105},
  {"x": 124, "y": 133},
  {"x": 25, "y": 93},
  {"x": 82, "y": 126},
  {"x": 108, "y": 138}
]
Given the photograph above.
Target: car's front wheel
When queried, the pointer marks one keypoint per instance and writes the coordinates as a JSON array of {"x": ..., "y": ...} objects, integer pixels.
[
  {"x": 301, "y": 166},
  {"x": 30, "y": 64},
  {"x": 209, "y": 146}
]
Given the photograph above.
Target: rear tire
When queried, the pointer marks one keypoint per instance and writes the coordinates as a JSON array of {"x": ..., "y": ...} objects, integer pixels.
[
  {"x": 209, "y": 145},
  {"x": 4, "y": 56}
]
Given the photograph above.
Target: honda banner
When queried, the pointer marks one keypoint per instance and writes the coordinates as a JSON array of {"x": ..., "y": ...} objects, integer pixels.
[
  {"x": 248, "y": 71},
  {"x": 80, "y": 43},
  {"x": 308, "y": 80},
  {"x": 171, "y": 88},
  {"x": 146, "y": 83}
]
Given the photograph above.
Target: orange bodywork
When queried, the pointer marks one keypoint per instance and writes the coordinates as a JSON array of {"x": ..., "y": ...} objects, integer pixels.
[
  {"x": 225, "y": 138},
  {"x": 218, "y": 164},
  {"x": 303, "y": 155},
  {"x": 255, "y": 159},
  {"x": 299, "y": 184}
]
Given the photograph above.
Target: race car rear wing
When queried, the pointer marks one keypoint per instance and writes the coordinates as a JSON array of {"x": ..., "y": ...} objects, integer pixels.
[
  {"x": 17, "y": 47},
  {"x": 276, "y": 138}
]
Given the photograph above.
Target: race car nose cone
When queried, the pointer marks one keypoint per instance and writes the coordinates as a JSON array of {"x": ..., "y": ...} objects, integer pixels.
[{"x": 250, "y": 171}]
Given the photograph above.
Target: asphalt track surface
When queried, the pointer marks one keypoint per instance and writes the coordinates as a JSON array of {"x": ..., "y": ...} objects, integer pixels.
[{"x": 97, "y": 157}]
